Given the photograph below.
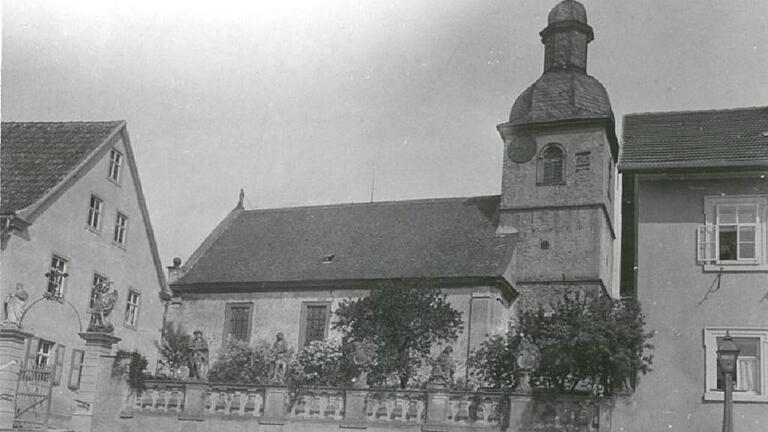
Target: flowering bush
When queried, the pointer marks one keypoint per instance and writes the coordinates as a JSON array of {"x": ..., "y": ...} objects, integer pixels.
[
  {"x": 323, "y": 363},
  {"x": 239, "y": 363}
]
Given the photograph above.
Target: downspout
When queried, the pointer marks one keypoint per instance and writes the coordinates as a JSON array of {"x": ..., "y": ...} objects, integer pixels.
[{"x": 469, "y": 342}]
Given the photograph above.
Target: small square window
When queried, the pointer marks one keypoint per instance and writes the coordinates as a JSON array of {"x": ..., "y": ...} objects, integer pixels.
[
  {"x": 94, "y": 212},
  {"x": 115, "y": 165},
  {"x": 749, "y": 381},
  {"x": 132, "y": 308},
  {"x": 121, "y": 227},
  {"x": 56, "y": 276}
]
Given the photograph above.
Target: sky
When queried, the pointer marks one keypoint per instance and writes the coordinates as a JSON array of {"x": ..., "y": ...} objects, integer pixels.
[{"x": 303, "y": 102}]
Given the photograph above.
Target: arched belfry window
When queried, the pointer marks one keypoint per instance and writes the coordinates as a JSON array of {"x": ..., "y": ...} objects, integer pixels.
[{"x": 550, "y": 166}]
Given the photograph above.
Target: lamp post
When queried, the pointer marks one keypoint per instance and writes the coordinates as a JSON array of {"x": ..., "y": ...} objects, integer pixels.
[{"x": 727, "y": 353}]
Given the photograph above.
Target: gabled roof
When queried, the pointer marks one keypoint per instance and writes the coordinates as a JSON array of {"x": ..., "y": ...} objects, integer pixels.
[
  {"x": 39, "y": 160},
  {"x": 36, "y": 157},
  {"x": 695, "y": 139},
  {"x": 439, "y": 238}
]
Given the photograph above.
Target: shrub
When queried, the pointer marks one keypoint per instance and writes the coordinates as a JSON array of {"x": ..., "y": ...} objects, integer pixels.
[
  {"x": 173, "y": 349},
  {"x": 132, "y": 366},
  {"x": 596, "y": 344},
  {"x": 239, "y": 363},
  {"x": 403, "y": 319},
  {"x": 323, "y": 363}
]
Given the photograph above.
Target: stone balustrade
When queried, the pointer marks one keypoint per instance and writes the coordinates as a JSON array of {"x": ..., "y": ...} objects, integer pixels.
[{"x": 430, "y": 409}]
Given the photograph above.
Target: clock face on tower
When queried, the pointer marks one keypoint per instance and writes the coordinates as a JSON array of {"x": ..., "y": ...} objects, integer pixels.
[{"x": 521, "y": 148}]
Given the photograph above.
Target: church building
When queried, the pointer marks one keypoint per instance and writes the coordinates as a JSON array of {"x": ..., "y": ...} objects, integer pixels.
[{"x": 551, "y": 227}]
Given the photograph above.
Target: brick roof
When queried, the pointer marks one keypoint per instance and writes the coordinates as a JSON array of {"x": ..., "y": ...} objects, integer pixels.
[
  {"x": 695, "y": 139},
  {"x": 453, "y": 237},
  {"x": 35, "y": 157}
]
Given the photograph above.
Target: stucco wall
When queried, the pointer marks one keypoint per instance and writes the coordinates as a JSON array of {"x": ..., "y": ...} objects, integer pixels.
[
  {"x": 280, "y": 311},
  {"x": 672, "y": 289},
  {"x": 62, "y": 230}
]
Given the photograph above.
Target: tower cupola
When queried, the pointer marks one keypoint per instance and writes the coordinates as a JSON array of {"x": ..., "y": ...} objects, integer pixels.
[{"x": 566, "y": 37}]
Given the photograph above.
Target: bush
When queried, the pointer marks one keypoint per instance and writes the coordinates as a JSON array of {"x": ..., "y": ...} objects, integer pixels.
[
  {"x": 403, "y": 319},
  {"x": 132, "y": 366},
  {"x": 239, "y": 363},
  {"x": 323, "y": 363},
  {"x": 597, "y": 344}
]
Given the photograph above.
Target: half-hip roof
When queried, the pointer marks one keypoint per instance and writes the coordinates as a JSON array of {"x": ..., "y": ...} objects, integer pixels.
[{"x": 437, "y": 238}]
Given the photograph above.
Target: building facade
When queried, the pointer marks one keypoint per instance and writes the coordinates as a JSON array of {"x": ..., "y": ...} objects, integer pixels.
[
  {"x": 74, "y": 220},
  {"x": 694, "y": 252},
  {"x": 549, "y": 230}
]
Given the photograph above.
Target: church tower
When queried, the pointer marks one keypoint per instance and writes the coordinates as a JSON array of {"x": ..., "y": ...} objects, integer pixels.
[{"x": 560, "y": 152}]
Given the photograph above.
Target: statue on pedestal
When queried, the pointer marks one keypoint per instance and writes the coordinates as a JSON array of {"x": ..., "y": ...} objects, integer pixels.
[
  {"x": 103, "y": 304},
  {"x": 13, "y": 307},
  {"x": 443, "y": 368},
  {"x": 198, "y": 365},
  {"x": 279, "y": 360}
]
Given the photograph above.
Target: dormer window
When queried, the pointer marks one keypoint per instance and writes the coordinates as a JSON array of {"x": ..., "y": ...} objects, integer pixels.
[
  {"x": 550, "y": 165},
  {"x": 115, "y": 165}
]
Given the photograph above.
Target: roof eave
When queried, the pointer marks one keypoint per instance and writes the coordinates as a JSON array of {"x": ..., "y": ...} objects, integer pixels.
[{"x": 691, "y": 166}]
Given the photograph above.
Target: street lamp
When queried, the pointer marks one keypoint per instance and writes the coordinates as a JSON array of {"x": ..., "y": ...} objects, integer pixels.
[{"x": 727, "y": 353}]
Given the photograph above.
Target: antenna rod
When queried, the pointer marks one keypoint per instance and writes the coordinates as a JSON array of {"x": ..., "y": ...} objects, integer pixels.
[{"x": 373, "y": 182}]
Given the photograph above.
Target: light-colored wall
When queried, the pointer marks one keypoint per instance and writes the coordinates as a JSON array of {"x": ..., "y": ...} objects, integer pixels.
[
  {"x": 672, "y": 288},
  {"x": 280, "y": 311},
  {"x": 62, "y": 229}
]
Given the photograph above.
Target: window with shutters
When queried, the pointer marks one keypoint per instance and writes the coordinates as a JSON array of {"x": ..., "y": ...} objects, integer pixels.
[
  {"x": 315, "y": 317},
  {"x": 733, "y": 236},
  {"x": 750, "y": 381},
  {"x": 550, "y": 166},
  {"x": 58, "y": 365},
  {"x": 237, "y": 321},
  {"x": 76, "y": 369}
]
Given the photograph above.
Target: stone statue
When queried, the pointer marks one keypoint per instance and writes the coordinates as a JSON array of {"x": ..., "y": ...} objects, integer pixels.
[
  {"x": 443, "y": 368},
  {"x": 103, "y": 304},
  {"x": 13, "y": 307},
  {"x": 363, "y": 359},
  {"x": 198, "y": 365},
  {"x": 279, "y": 360}
]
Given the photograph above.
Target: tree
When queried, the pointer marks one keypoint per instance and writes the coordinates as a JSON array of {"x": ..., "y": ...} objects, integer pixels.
[
  {"x": 596, "y": 343},
  {"x": 403, "y": 319},
  {"x": 173, "y": 348}
]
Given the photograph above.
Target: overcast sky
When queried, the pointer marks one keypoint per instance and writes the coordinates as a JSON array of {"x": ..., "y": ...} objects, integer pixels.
[{"x": 298, "y": 102}]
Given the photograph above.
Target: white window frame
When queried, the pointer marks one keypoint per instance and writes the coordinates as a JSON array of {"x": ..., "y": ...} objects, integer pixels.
[
  {"x": 95, "y": 214},
  {"x": 121, "y": 229},
  {"x": 131, "y": 318},
  {"x": 43, "y": 355},
  {"x": 115, "y": 165},
  {"x": 710, "y": 348},
  {"x": 708, "y": 235},
  {"x": 58, "y": 280}
]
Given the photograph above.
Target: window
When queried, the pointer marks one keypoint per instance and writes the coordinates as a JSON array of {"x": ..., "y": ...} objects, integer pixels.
[
  {"x": 58, "y": 366},
  {"x": 121, "y": 226},
  {"x": 115, "y": 163},
  {"x": 733, "y": 235},
  {"x": 43, "y": 354},
  {"x": 94, "y": 212},
  {"x": 237, "y": 321},
  {"x": 100, "y": 283},
  {"x": 583, "y": 162},
  {"x": 550, "y": 165},
  {"x": 313, "y": 322},
  {"x": 56, "y": 276},
  {"x": 76, "y": 369},
  {"x": 751, "y": 367},
  {"x": 132, "y": 308}
]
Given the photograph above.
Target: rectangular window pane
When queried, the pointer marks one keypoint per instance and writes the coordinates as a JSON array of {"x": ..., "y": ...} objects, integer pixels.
[
  {"x": 726, "y": 214},
  {"x": 728, "y": 243},
  {"x": 56, "y": 275},
  {"x": 121, "y": 224},
  {"x": 132, "y": 308},
  {"x": 43, "y": 357},
  {"x": 315, "y": 323},
  {"x": 115, "y": 162},
  {"x": 94, "y": 212},
  {"x": 747, "y": 214},
  {"x": 238, "y": 324}
]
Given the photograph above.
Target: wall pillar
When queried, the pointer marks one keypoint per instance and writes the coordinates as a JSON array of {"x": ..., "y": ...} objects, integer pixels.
[
  {"x": 194, "y": 401},
  {"x": 97, "y": 370},
  {"x": 437, "y": 408},
  {"x": 275, "y": 399},
  {"x": 12, "y": 350},
  {"x": 355, "y": 409}
]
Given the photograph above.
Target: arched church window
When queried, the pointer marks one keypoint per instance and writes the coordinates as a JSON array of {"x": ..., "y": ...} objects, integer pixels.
[{"x": 551, "y": 165}]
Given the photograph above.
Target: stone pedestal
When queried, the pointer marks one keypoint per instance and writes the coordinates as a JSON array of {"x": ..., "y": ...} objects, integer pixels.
[
  {"x": 355, "y": 410},
  {"x": 97, "y": 370},
  {"x": 437, "y": 408},
  {"x": 194, "y": 402},
  {"x": 519, "y": 406},
  {"x": 12, "y": 344},
  {"x": 275, "y": 399}
]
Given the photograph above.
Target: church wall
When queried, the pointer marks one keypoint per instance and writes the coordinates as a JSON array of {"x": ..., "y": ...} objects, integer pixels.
[
  {"x": 62, "y": 230},
  {"x": 679, "y": 300},
  {"x": 280, "y": 311}
]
